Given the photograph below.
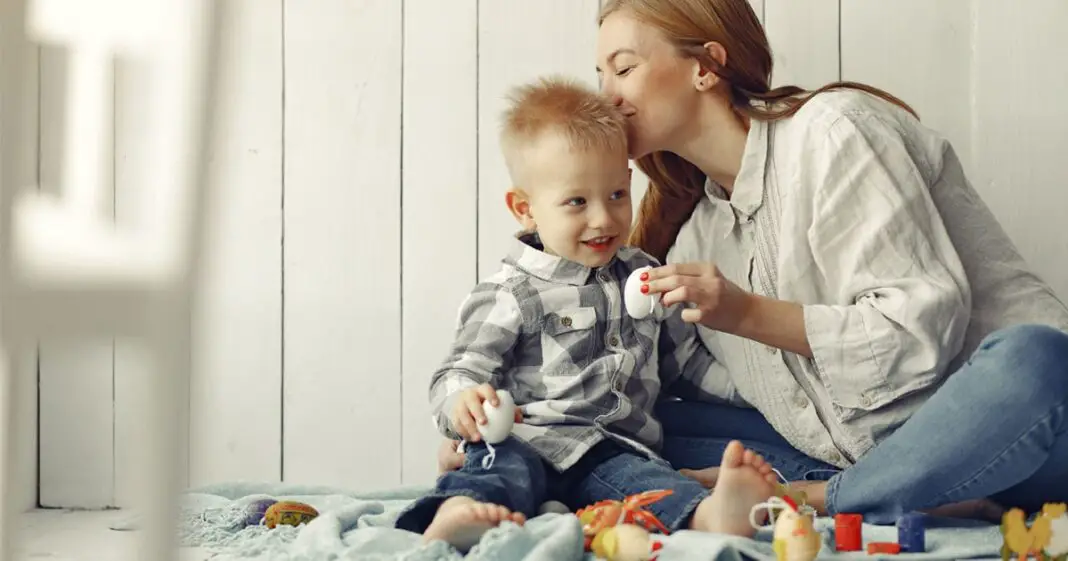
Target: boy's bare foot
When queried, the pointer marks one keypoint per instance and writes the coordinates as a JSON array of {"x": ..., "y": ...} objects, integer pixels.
[
  {"x": 744, "y": 481},
  {"x": 461, "y": 521}
]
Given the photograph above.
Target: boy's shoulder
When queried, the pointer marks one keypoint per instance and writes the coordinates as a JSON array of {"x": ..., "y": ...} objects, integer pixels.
[{"x": 634, "y": 258}]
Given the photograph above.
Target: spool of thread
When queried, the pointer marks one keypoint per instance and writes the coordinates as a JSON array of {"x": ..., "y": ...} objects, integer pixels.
[
  {"x": 847, "y": 532},
  {"x": 911, "y": 533}
]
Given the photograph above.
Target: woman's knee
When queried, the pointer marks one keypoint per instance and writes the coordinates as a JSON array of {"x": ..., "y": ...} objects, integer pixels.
[{"x": 1034, "y": 357}]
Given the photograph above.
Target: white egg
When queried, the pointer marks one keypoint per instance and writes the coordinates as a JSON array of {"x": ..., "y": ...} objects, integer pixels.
[
  {"x": 638, "y": 305},
  {"x": 499, "y": 420}
]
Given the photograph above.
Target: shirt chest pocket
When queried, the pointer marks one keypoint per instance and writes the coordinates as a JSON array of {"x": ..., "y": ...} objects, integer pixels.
[{"x": 568, "y": 340}]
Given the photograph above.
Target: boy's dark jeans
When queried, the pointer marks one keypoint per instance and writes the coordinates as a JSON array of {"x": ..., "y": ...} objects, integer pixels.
[{"x": 521, "y": 481}]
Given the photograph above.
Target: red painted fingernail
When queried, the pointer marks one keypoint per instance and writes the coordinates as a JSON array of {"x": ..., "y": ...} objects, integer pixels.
[
  {"x": 644, "y": 277},
  {"x": 645, "y": 289}
]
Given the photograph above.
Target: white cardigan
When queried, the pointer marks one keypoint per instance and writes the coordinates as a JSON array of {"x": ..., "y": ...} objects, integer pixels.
[{"x": 864, "y": 216}]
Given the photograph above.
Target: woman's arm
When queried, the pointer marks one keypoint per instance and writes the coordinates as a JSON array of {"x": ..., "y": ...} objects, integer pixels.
[{"x": 897, "y": 298}]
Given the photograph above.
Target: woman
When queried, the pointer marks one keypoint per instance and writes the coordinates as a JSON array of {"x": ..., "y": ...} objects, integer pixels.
[{"x": 862, "y": 298}]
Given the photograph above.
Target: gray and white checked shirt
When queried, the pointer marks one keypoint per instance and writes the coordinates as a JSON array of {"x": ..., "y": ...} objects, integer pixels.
[{"x": 555, "y": 334}]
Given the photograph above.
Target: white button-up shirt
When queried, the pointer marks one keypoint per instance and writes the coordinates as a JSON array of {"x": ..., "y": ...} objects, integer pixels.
[{"x": 865, "y": 218}]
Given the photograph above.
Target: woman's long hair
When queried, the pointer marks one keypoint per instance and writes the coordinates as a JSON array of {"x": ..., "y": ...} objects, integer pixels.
[{"x": 676, "y": 185}]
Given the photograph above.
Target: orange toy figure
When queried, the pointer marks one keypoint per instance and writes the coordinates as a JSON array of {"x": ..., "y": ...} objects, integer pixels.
[
  {"x": 607, "y": 514},
  {"x": 626, "y": 542}
]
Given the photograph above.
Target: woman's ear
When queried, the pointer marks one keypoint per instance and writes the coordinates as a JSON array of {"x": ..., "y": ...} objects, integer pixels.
[
  {"x": 704, "y": 79},
  {"x": 519, "y": 204}
]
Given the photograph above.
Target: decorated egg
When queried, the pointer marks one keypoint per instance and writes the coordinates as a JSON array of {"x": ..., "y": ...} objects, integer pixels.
[
  {"x": 256, "y": 510},
  {"x": 499, "y": 419},
  {"x": 289, "y": 513},
  {"x": 638, "y": 305}
]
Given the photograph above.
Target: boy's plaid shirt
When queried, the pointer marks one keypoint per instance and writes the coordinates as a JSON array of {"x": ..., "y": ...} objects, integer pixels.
[{"x": 555, "y": 334}]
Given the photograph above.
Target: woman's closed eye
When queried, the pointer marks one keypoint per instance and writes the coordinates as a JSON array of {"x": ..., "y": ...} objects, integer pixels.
[{"x": 624, "y": 71}]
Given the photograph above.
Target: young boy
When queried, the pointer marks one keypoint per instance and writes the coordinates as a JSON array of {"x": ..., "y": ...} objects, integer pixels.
[{"x": 551, "y": 328}]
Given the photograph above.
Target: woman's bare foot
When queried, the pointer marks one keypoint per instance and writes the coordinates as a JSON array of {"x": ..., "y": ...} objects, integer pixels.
[
  {"x": 461, "y": 521},
  {"x": 975, "y": 509},
  {"x": 744, "y": 481},
  {"x": 706, "y": 476},
  {"x": 815, "y": 494},
  {"x": 978, "y": 509}
]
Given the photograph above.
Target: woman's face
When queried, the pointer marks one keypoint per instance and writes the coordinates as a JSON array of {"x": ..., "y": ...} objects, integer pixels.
[{"x": 653, "y": 85}]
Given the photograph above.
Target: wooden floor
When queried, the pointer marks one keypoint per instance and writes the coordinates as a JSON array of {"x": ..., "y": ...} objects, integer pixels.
[{"x": 62, "y": 535}]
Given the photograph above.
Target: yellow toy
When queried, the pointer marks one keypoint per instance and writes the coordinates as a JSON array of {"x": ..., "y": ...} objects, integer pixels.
[
  {"x": 1044, "y": 539},
  {"x": 604, "y": 515},
  {"x": 795, "y": 537},
  {"x": 626, "y": 542},
  {"x": 289, "y": 513}
]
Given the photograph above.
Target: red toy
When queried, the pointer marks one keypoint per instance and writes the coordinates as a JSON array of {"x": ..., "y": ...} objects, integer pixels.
[
  {"x": 607, "y": 514},
  {"x": 847, "y": 532}
]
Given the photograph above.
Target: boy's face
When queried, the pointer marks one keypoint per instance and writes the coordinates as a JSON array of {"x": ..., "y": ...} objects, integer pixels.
[{"x": 578, "y": 202}]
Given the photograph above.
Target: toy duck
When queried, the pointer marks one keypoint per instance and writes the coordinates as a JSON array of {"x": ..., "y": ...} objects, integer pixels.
[
  {"x": 625, "y": 542},
  {"x": 795, "y": 537}
]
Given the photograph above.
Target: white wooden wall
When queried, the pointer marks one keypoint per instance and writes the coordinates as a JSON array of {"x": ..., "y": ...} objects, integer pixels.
[{"x": 365, "y": 197}]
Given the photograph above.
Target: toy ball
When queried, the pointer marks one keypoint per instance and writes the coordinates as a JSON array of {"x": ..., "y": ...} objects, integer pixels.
[
  {"x": 256, "y": 510},
  {"x": 289, "y": 513}
]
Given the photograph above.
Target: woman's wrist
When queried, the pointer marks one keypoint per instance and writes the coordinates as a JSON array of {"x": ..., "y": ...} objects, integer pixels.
[{"x": 776, "y": 323}]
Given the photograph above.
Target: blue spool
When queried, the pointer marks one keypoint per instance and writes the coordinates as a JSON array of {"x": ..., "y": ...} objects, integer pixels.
[{"x": 911, "y": 533}]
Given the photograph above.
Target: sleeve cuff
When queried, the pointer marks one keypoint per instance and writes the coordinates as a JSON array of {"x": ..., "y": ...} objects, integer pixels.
[{"x": 842, "y": 355}]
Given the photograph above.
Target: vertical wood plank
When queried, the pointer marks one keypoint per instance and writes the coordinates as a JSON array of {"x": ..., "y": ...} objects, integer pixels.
[
  {"x": 1018, "y": 138},
  {"x": 931, "y": 71},
  {"x": 76, "y": 377},
  {"x": 342, "y": 408},
  {"x": 234, "y": 416},
  {"x": 440, "y": 182},
  {"x": 519, "y": 41},
  {"x": 804, "y": 41},
  {"x": 236, "y": 406}
]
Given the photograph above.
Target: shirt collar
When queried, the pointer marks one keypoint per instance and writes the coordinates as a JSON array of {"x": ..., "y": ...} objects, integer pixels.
[
  {"x": 528, "y": 255},
  {"x": 748, "y": 193}
]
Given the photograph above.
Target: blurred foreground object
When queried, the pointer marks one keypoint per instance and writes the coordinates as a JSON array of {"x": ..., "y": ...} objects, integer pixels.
[{"x": 66, "y": 270}]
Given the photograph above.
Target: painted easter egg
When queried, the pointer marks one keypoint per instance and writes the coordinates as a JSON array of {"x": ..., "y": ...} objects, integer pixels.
[
  {"x": 256, "y": 510},
  {"x": 638, "y": 305},
  {"x": 289, "y": 513},
  {"x": 499, "y": 420}
]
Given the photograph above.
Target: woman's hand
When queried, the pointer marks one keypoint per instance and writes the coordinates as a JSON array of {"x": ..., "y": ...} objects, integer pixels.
[
  {"x": 717, "y": 302},
  {"x": 721, "y": 305}
]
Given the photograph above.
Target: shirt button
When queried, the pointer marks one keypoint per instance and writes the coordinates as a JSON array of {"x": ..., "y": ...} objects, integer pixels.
[
  {"x": 566, "y": 321},
  {"x": 865, "y": 400},
  {"x": 613, "y": 341},
  {"x": 835, "y": 456},
  {"x": 801, "y": 401}
]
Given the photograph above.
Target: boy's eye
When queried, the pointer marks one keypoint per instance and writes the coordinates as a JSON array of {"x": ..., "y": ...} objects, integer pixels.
[{"x": 576, "y": 201}]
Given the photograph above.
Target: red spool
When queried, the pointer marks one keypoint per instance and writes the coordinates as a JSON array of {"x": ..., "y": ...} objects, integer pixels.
[{"x": 847, "y": 535}]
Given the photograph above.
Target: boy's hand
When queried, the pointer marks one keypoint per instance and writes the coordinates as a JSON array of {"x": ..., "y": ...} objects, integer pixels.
[{"x": 467, "y": 414}]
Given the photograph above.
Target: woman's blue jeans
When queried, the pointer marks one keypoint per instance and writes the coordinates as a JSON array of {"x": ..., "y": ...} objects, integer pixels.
[{"x": 995, "y": 429}]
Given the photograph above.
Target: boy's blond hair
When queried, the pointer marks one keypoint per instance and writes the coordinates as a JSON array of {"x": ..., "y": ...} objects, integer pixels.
[{"x": 559, "y": 105}]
